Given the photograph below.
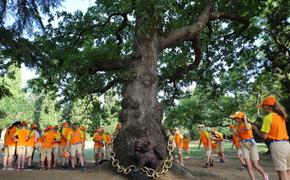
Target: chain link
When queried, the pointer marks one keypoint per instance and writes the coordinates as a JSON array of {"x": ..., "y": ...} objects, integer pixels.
[{"x": 166, "y": 165}]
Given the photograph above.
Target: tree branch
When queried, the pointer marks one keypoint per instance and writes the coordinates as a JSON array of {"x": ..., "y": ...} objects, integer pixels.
[
  {"x": 229, "y": 16},
  {"x": 111, "y": 64},
  {"x": 180, "y": 71},
  {"x": 186, "y": 33},
  {"x": 110, "y": 84}
]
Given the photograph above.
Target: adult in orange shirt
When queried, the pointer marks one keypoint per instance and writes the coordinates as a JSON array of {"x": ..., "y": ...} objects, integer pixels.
[
  {"x": 236, "y": 143},
  {"x": 205, "y": 140},
  {"x": 178, "y": 142},
  {"x": 21, "y": 136},
  {"x": 274, "y": 131},
  {"x": 248, "y": 145},
  {"x": 75, "y": 143},
  {"x": 9, "y": 146},
  {"x": 55, "y": 146},
  {"x": 98, "y": 146},
  {"x": 185, "y": 145},
  {"x": 46, "y": 146},
  {"x": 63, "y": 148},
  {"x": 30, "y": 145}
]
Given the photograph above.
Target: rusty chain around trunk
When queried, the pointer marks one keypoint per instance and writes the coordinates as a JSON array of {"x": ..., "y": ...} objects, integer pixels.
[{"x": 152, "y": 173}]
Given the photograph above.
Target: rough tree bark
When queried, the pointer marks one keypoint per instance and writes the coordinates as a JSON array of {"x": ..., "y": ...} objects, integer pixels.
[{"x": 142, "y": 113}]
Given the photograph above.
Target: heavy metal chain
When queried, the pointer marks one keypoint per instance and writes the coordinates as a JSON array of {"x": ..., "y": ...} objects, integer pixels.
[{"x": 148, "y": 171}]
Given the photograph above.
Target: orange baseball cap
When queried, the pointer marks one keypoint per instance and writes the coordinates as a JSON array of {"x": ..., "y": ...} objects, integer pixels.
[
  {"x": 238, "y": 115},
  {"x": 232, "y": 126},
  {"x": 268, "y": 101}
]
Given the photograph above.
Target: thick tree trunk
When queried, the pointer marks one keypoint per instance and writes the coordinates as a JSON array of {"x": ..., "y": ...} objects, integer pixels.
[{"x": 142, "y": 113}]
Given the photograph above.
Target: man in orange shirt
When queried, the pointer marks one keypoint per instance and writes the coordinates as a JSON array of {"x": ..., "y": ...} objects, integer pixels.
[
  {"x": 206, "y": 141},
  {"x": 46, "y": 147},
  {"x": 75, "y": 143},
  {"x": 21, "y": 136},
  {"x": 178, "y": 142}
]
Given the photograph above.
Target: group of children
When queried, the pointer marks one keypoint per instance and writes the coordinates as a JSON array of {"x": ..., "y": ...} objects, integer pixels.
[
  {"x": 68, "y": 143},
  {"x": 64, "y": 143},
  {"x": 274, "y": 132}
]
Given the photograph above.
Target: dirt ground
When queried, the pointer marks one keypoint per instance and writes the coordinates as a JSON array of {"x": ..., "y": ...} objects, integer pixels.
[
  {"x": 221, "y": 171},
  {"x": 229, "y": 170}
]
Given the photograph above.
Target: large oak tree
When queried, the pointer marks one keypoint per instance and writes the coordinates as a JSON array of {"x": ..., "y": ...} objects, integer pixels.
[{"x": 146, "y": 48}]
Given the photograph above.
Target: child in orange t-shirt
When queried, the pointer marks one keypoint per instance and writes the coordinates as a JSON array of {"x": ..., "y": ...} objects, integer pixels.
[
  {"x": 248, "y": 145},
  {"x": 21, "y": 136},
  {"x": 178, "y": 142},
  {"x": 107, "y": 141},
  {"x": 98, "y": 146},
  {"x": 30, "y": 145},
  {"x": 206, "y": 141},
  {"x": 236, "y": 143},
  {"x": 63, "y": 148},
  {"x": 55, "y": 146},
  {"x": 185, "y": 145},
  {"x": 74, "y": 140},
  {"x": 46, "y": 147}
]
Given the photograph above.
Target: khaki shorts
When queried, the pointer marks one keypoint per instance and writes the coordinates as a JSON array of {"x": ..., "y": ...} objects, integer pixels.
[
  {"x": 29, "y": 151},
  {"x": 179, "y": 150},
  {"x": 250, "y": 150},
  {"x": 55, "y": 149},
  {"x": 20, "y": 150},
  {"x": 38, "y": 146},
  {"x": 76, "y": 148},
  {"x": 208, "y": 152},
  {"x": 5, "y": 151},
  {"x": 280, "y": 152},
  {"x": 11, "y": 150},
  {"x": 46, "y": 153},
  {"x": 239, "y": 152},
  {"x": 99, "y": 149},
  {"x": 62, "y": 149},
  {"x": 221, "y": 146}
]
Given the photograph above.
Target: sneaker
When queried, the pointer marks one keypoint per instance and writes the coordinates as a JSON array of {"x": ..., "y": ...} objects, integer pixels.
[
  {"x": 266, "y": 177},
  {"x": 10, "y": 169},
  {"x": 211, "y": 164},
  {"x": 4, "y": 169},
  {"x": 83, "y": 168},
  {"x": 222, "y": 161},
  {"x": 244, "y": 167}
]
